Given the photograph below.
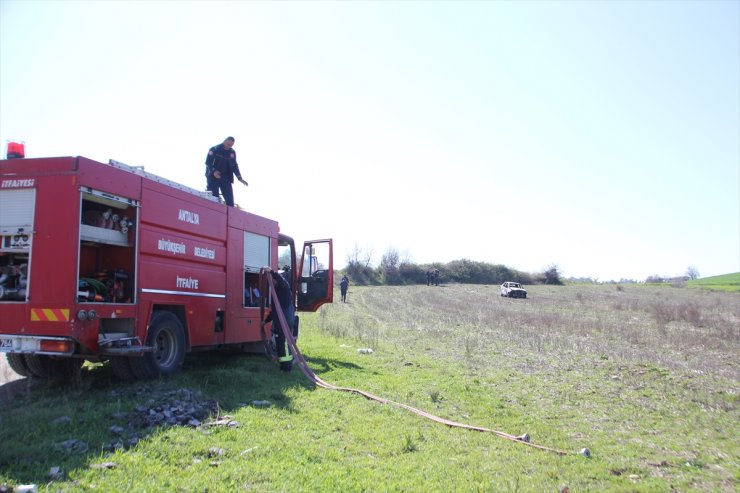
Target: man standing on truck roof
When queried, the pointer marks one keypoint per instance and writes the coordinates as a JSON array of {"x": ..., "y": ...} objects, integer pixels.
[{"x": 221, "y": 166}]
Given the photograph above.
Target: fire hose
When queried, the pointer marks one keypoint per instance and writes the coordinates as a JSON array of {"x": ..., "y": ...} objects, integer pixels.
[{"x": 308, "y": 372}]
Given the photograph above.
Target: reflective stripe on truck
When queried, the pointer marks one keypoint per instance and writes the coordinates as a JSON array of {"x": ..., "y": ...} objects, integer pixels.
[{"x": 49, "y": 314}]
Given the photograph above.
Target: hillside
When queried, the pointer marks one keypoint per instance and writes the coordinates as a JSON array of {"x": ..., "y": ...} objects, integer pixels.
[{"x": 727, "y": 282}]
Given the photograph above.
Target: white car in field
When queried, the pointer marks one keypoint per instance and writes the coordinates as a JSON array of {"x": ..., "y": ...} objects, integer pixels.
[{"x": 513, "y": 290}]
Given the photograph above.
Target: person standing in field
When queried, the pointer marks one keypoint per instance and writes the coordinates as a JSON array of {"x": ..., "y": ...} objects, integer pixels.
[
  {"x": 221, "y": 166},
  {"x": 343, "y": 287}
]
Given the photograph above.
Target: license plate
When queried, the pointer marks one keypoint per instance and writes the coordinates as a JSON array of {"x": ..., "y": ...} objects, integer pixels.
[{"x": 6, "y": 344}]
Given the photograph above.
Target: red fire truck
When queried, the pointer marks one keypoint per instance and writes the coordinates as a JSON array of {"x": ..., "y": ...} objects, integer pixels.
[{"x": 107, "y": 262}]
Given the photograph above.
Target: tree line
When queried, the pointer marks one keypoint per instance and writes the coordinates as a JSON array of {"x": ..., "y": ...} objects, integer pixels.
[{"x": 395, "y": 271}]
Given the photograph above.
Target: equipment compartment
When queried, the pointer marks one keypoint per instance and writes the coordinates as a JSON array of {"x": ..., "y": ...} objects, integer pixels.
[
  {"x": 107, "y": 257},
  {"x": 102, "y": 235},
  {"x": 16, "y": 236}
]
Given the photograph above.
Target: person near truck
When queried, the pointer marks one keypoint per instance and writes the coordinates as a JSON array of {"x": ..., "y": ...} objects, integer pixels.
[
  {"x": 221, "y": 166},
  {"x": 285, "y": 299},
  {"x": 343, "y": 286}
]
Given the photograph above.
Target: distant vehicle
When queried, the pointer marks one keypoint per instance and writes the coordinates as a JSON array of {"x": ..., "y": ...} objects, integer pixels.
[{"x": 513, "y": 290}]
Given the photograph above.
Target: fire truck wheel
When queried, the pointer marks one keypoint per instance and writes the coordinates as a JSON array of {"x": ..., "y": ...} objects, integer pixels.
[
  {"x": 121, "y": 368},
  {"x": 167, "y": 336},
  {"x": 49, "y": 367},
  {"x": 38, "y": 365},
  {"x": 18, "y": 363}
]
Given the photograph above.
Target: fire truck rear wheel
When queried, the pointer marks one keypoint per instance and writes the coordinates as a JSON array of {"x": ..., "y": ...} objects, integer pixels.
[
  {"x": 49, "y": 367},
  {"x": 167, "y": 336},
  {"x": 38, "y": 365},
  {"x": 18, "y": 363}
]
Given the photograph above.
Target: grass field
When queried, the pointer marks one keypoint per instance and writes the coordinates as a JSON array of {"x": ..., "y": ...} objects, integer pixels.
[
  {"x": 644, "y": 377},
  {"x": 727, "y": 282}
]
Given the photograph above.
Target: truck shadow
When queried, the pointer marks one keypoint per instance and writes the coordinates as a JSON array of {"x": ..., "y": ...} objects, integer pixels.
[
  {"x": 17, "y": 390},
  {"x": 46, "y": 425}
]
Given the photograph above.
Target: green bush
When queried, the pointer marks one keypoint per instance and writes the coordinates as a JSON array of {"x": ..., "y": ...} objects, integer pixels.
[{"x": 394, "y": 272}]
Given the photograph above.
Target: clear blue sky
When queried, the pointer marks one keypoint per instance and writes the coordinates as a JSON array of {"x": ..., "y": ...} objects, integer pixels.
[{"x": 600, "y": 136}]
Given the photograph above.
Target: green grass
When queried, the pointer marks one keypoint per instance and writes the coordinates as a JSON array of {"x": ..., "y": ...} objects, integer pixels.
[
  {"x": 727, "y": 282},
  {"x": 646, "y": 378}
]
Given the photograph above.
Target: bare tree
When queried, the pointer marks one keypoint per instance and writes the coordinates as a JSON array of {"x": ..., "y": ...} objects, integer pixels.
[
  {"x": 692, "y": 272},
  {"x": 389, "y": 265},
  {"x": 360, "y": 257},
  {"x": 390, "y": 260},
  {"x": 358, "y": 265},
  {"x": 552, "y": 275}
]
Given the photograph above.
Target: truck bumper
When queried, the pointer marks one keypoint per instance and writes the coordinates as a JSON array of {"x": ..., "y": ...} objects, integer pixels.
[{"x": 57, "y": 346}]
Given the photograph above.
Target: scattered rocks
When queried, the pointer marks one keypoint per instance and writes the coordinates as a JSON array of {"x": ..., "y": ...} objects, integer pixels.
[
  {"x": 183, "y": 407},
  {"x": 215, "y": 452},
  {"x": 261, "y": 403},
  {"x": 62, "y": 420},
  {"x": 365, "y": 350},
  {"x": 223, "y": 421},
  {"x": 177, "y": 407},
  {"x": 116, "y": 430},
  {"x": 72, "y": 446}
]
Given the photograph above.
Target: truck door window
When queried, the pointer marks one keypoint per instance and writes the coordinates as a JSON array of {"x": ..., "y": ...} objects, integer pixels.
[
  {"x": 315, "y": 280},
  {"x": 256, "y": 256}
]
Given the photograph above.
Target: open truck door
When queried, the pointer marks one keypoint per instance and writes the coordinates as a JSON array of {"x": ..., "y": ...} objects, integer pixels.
[{"x": 316, "y": 275}]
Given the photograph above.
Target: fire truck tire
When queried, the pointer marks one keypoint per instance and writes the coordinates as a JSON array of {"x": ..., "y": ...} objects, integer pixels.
[
  {"x": 167, "y": 336},
  {"x": 38, "y": 365},
  {"x": 49, "y": 367},
  {"x": 18, "y": 364},
  {"x": 121, "y": 368}
]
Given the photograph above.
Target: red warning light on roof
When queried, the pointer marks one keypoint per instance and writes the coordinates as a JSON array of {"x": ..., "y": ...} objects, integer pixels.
[{"x": 16, "y": 149}]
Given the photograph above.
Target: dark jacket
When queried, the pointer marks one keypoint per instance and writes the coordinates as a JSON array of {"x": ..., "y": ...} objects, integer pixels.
[
  {"x": 284, "y": 297},
  {"x": 224, "y": 160},
  {"x": 282, "y": 288}
]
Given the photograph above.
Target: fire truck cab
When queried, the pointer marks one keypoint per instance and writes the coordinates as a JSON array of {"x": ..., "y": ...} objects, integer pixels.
[{"x": 107, "y": 262}]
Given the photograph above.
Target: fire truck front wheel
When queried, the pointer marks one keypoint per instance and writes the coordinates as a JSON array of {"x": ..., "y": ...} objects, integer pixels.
[{"x": 167, "y": 336}]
